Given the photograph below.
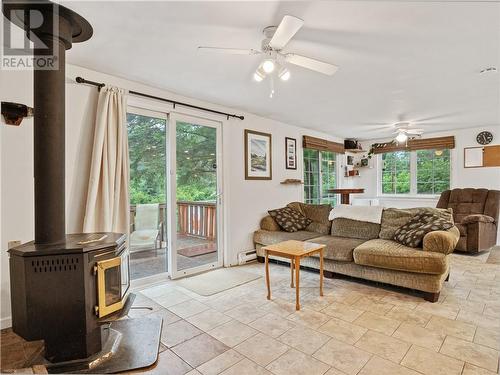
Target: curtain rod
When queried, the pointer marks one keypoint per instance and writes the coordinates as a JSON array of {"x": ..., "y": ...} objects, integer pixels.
[{"x": 101, "y": 85}]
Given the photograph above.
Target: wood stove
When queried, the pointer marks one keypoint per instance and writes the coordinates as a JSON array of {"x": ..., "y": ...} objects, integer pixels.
[{"x": 59, "y": 291}]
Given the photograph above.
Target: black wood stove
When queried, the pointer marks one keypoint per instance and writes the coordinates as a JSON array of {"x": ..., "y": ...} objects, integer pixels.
[{"x": 60, "y": 291}]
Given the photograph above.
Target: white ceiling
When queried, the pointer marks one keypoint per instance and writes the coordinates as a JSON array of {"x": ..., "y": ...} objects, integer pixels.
[{"x": 416, "y": 61}]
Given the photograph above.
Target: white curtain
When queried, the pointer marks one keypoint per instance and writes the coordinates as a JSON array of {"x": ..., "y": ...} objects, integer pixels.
[{"x": 108, "y": 207}]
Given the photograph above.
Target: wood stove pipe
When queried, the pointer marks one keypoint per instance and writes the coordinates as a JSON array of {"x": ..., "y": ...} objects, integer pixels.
[{"x": 58, "y": 29}]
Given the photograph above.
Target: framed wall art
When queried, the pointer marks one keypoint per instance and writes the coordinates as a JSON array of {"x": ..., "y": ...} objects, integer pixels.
[
  {"x": 258, "y": 155},
  {"x": 290, "y": 153}
]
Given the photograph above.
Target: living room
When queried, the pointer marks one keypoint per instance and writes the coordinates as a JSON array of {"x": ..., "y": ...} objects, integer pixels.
[{"x": 390, "y": 94}]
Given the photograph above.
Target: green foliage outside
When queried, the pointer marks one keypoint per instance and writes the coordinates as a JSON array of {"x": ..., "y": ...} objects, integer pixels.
[
  {"x": 196, "y": 163},
  {"x": 146, "y": 138},
  {"x": 196, "y": 169},
  {"x": 396, "y": 172},
  {"x": 433, "y": 172}
]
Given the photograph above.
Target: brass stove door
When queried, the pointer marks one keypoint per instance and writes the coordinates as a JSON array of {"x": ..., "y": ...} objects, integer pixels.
[{"x": 109, "y": 286}]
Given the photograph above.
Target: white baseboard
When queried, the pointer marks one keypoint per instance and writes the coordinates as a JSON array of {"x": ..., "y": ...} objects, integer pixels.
[{"x": 6, "y": 322}]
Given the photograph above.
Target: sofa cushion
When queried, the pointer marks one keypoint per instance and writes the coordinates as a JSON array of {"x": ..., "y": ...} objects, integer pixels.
[
  {"x": 289, "y": 219},
  {"x": 413, "y": 232},
  {"x": 265, "y": 237},
  {"x": 393, "y": 218},
  {"x": 342, "y": 227},
  {"x": 318, "y": 213},
  {"x": 395, "y": 256},
  {"x": 338, "y": 248}
]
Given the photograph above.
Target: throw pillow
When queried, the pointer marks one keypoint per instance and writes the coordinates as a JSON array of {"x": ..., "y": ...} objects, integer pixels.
[
  {"x": 393, "y": 218},
  {"x": 412, "y": 233},
  {"x": 289, "y": 220}
]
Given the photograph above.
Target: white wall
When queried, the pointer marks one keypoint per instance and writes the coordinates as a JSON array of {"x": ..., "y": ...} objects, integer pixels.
[{"x": 245, "y": 202}]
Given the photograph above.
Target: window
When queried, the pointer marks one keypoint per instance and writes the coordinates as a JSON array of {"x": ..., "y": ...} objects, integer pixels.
[
  {"x": 319, "y": 176},
  {"x": 396, "y": 172},
  {"x": 433, "y": 171},
  {"x": 415, "y": 172}
]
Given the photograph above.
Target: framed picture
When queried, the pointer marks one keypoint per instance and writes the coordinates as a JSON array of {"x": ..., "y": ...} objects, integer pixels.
[
  {"x": 290, "y": 153},
  {"x": 258, "y": 156}
]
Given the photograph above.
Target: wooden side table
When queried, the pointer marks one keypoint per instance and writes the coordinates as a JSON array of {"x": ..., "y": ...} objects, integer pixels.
[
  {"x": 295, "y": 251},
  {"x": 345, "y": 194}
]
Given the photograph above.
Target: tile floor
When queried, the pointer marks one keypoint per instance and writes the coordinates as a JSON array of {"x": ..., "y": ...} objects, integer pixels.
[{"x": 356, "y": 328}]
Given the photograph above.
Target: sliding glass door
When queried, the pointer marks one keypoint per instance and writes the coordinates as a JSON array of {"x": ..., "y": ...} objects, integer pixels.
[
  {"x": 197, "y": 193},
  {"x": 147, "y": 132}
]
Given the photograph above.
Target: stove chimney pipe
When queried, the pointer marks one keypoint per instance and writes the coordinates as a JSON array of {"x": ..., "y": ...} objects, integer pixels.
[{"x": 52, "y": 28}]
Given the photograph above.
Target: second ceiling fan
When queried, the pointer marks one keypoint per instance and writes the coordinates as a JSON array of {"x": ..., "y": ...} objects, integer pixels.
[{"x": 275, "y": 60}]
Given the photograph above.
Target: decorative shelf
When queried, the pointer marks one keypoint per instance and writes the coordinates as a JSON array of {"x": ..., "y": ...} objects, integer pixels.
[
  {"x": 355, "y": 151},
  {"x": 291, "y": 181}
]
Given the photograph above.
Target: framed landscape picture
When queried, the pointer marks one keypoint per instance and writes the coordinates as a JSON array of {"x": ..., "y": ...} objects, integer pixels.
[
  {"x": 258, "y": 156},
  {"x": 290, "y": 153}
]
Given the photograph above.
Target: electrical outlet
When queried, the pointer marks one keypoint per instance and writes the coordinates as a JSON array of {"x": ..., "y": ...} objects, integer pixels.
[{"x": 12, "y": 244}]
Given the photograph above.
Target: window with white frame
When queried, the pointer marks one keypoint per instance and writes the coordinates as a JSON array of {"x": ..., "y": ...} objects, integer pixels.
[
  {"x": 320, "y": 176},
  {"x": 425, "y": 172}
]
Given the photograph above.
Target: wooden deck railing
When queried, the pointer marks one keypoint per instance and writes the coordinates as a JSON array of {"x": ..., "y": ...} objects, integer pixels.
[
  {"x": 193, "y": 218},
  {"x": 197, "y": 219}
]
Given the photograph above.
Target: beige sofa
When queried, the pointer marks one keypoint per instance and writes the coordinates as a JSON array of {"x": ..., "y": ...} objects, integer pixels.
[{"x": 367, "y": 251}]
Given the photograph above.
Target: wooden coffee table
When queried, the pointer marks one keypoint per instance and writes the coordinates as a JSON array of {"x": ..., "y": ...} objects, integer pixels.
[{"x": 295, "y": 251}]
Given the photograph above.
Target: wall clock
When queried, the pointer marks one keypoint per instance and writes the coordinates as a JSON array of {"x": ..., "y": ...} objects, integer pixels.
[{"x": 484, "y": 138}]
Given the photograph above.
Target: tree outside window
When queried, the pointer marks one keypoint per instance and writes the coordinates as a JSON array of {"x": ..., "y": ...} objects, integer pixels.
[{"x": 415, "y": 172}]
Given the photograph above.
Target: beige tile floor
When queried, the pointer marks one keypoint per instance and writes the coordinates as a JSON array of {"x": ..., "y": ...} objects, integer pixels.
[{"x": 356, "y": 328}]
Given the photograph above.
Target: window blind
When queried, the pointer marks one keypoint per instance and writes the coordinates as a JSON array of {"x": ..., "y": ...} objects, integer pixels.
[
  {"x": 322, "y": 144},
  {"x": 419, "y": 144}
]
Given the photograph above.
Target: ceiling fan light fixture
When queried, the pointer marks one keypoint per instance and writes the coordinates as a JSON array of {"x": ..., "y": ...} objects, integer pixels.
[
  {"x": 284, "y": 74},
  {"x": 258, "y": 76},
  {"x": 401, "y": 137},
  {"x": 268, "y": 66}
]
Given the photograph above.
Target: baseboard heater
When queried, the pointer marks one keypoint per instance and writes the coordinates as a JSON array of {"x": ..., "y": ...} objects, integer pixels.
[{"x": 247, "y": 256}]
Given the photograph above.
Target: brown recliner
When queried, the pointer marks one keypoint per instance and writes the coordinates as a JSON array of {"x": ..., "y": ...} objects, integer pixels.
[{"x": 475, "y": 212}]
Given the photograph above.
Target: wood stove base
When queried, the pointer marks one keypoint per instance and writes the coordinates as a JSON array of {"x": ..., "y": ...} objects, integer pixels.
[{"x": 128, "y": 344}]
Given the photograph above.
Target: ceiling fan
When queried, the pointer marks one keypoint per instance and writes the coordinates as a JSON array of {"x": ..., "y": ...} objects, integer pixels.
[
  {"x": 275, "y": 60},
  {"x": 405, "y": 130}
]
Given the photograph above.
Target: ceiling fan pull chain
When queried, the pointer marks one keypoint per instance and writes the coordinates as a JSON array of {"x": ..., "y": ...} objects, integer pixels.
[{"x": 271, "y": 94}]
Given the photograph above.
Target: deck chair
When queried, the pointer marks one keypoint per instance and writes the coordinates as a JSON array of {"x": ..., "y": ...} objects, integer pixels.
[{"x": 146, "y": 231}]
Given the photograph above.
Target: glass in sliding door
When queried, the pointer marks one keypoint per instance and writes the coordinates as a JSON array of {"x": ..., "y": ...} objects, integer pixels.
[
  {"x": 147, "y": 152},
  {"x": 197, "y": 192}
]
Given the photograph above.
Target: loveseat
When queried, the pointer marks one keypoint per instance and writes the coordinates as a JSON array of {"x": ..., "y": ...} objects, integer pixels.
[
  {"x": 475, "y": 212},
  {"x": 367, "y": 250}
]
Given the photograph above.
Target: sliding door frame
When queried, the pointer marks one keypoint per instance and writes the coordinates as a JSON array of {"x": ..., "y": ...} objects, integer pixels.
[{"x": 174, "y": 117}]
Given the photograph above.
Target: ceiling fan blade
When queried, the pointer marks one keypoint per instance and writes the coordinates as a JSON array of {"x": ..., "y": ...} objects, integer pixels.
[
  {"x": 313, "y": 64},
  {"x": 415, "y": 131},
  {"x": 229, "y": 51},
  {"x": 286, "y": 30}
]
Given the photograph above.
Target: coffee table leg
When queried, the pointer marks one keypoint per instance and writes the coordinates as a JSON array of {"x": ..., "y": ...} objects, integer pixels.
[
  {"x": 267, "y": 277},
  {"x": 291, "y": 273},
  {"x": 297, "y": 278},
  {"x": 321, "y": 273}
]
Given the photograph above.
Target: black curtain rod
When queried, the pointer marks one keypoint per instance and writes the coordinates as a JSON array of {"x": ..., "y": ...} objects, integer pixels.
[{"x": 101, "y": 85}]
